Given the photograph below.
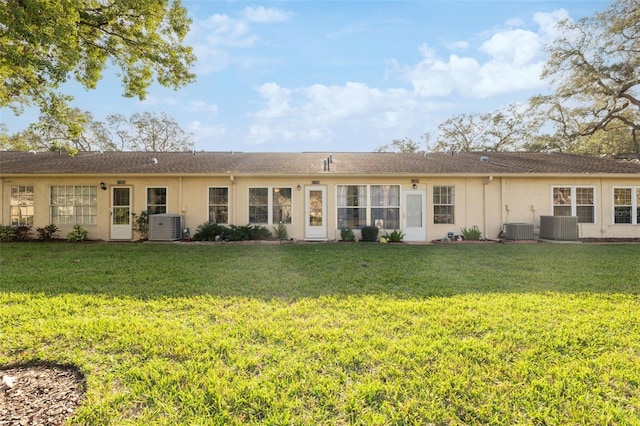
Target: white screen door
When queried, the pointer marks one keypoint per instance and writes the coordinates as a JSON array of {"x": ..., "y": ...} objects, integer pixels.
[
  {"x": 315, "y": 213},
  {"x": 414, "y": 218},
  {"x": 121, "y": 226}
]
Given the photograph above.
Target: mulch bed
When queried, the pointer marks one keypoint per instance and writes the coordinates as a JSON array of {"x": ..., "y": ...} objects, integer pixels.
[{"x": 44, "y": 395}]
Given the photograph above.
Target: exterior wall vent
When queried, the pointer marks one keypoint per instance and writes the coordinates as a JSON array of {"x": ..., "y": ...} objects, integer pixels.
[
  {"x": 562, "y": 228},
  {"x": 519, "y": 231},
  {"x": 165, "y": 227}
]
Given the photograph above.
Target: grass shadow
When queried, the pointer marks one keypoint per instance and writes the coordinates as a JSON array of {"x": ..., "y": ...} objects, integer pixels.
[{"x": 152, "y": 270}]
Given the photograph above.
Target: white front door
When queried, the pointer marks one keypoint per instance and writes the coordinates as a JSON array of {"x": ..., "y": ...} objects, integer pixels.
[
  {"x": 315, "y": 213},
  {"x": 414, "y": 218},
  {"x": 121, "y": 226}
]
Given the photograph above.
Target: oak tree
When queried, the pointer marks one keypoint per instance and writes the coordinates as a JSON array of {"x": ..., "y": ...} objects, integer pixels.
[
  {"x": 45, "y": 43},
  {"x": 594, "y": 69},
  {"x": 502, "y": 130}
]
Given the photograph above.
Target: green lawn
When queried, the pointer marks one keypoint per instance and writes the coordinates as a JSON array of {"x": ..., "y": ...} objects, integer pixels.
[{"x": 332, "y": 333}]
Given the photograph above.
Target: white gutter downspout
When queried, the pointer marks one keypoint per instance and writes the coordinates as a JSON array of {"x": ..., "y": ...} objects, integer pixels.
[{"x": 484, "y": 202}]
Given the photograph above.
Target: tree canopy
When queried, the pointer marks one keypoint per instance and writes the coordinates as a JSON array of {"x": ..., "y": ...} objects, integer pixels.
[
  {"x": 501, "y": 130},
  {"x": 45, "y": 43},
  {"x": 140, "y": 132},
  {"x": 595, "y": 70}
]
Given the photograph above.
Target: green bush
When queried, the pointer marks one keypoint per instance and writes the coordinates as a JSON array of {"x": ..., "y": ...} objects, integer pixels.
[
  {"x": 259, "y": 233},
  {"x": 281, "y": 232},
  {"x": 48, "y": 232},
  {"x": 141, "y": 224},
  {"x": 210, "y": 231},
  {"x": 471, "y": 234},
  {"x": 6, "y": 233},
  {"x": 78, "y": 234},
  {"x": 238, "y": 233},
  {"x": 347, "y": 234},
  {"x": 394, "y": 237},
  {"x": 369, "y": 233},
  {"x": 22, "y": 232}
]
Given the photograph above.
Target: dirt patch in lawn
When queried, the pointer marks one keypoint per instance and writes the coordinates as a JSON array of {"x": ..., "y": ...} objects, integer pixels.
[{"x": 39, "y": 394}]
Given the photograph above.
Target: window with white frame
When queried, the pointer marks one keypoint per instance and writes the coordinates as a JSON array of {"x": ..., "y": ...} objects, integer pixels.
[
  {"x": 270, "y": 205},
  {"x": 374, "y": 205},
  {"x": 574, "y": 201},
  {"x": 219, "y": 205},
  {"x": 71, "y": 205},
  {"x": 281, "y": 205},
  {"x": 626, "y": 205},
  {"x": 443, "y": 204},
  {"x": 22, "y": 205},
  {"x": 385, "y": 206},
  {"x": 156, "y": 201},
  {"x": 352, "y": 206}
]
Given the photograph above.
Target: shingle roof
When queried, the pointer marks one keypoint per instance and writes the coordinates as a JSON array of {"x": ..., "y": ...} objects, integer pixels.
[{"x": 340, "y": 163}]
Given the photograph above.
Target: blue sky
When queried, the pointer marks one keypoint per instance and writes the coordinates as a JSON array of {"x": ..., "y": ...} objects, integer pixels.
[{"x": 343, "y": 75}]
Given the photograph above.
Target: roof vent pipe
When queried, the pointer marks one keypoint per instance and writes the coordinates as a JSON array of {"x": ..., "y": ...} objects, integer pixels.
[{"x": 324, "y": 165}]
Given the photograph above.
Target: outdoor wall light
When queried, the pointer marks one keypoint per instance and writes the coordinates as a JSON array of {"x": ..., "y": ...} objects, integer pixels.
[
  {"x": 298, "y": 187},
  {"x": 415, "y": 186},
  {"x": 103, "y": 186}
]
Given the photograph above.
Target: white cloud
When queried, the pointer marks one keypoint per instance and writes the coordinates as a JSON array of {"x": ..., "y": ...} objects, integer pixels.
[
  {"x": 263, "y": 14},
  {"x": 277, "y": 101},
  {"x": 209, "y": 137},
  {"x": 516, "y": 47},
  {"x": 508, "y": 60},
  {"x": 222, "y": 30},
  {"x": 459, "y": 46},
  {"x": 202, "y": 106},
  {"x": 315, "y": 113}
]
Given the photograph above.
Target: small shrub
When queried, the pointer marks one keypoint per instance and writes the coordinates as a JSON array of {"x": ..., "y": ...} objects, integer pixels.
[
  {"x": 22, "y": 232},
  {"x": 141, "y": 224},
  {"x": 395, "y": 237},
  {"x": 471, "y": 234},
  {"x": 78, "y": 234},
  {"x": 281, "y": 232},
  {"x": 347, "y": 234},
  {"x": 369, "y": 233},
  {"x": 210, "y": 231},
  {"x": 238, "y": 233},
  {"x": 6, "y": 233},
  {"x": 48, "y": 232},
  {"x": 259, "y": 233}
]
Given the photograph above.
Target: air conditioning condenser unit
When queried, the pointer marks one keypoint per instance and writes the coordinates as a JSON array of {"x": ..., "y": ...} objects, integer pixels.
[
  {"x": 519, "y": 231},
  {"x": 561, "y": 228},
  {"x": 165, "y": 227}
]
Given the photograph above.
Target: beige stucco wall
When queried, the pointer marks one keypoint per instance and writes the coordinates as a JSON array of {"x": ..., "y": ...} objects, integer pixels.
[{"x": 479, "y": 201}]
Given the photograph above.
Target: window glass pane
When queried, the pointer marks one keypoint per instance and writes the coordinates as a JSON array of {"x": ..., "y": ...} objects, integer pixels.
[
  {"x": 390, "y": 217},
  {"x": 352, "y": 217},
  {"x": 258, "y": 205},
  {"x": 443, "y": 214},
  {"x": 281, "y": 205},
  {"x": 72, "y": 205},
  {"x": 385, "y": 205},
  {"x": 443, "y": 204},
  {"x": 219, "y": 205},
  {"x": 562, "y": 196},
  {"x": 585, "y": 214},
  {"x": 622, "y": 214},
  {"x": 156, "y": 200},
  {"x": 21, "y": 205},
  {"x": 562, "y": 210},
  {"x": 352, "y": 195},
  {"x": 622, "y": 205},
  {"x": 637, "y": 206},
  {"x": 584, "y": 196}
]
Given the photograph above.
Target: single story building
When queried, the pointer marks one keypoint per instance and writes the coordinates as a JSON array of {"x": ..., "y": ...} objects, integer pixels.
[{"x": 317, "y": 194}]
